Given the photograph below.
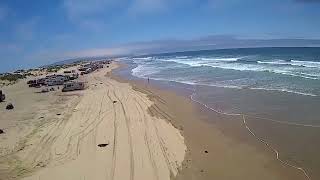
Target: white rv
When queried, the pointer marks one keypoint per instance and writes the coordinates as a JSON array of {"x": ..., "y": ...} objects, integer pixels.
[
  {"x": 73, "y": 86},
  {"x": 56, "y": 80}
]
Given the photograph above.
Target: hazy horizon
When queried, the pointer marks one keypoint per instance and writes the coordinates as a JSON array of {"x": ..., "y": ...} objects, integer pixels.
[
  {"x": 35, "y": 33},
  {"x": 96, "y": 57}
]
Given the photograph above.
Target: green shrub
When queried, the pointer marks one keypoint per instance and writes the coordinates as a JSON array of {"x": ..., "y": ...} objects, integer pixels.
[{"x": 11, "y": 77}]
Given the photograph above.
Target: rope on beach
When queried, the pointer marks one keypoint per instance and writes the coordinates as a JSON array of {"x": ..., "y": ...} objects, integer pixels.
[
  {"x": 273, "y": 149},
  {"x": 255, "y": 136},
  {"x": 257, "y": 117}
]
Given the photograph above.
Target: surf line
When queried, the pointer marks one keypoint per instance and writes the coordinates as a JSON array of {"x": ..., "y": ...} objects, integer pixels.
[{"x": 254, "y": 135}]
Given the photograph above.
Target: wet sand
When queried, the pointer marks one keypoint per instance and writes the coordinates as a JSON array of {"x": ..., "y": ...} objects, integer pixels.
[{"x": 289, "y": 123}]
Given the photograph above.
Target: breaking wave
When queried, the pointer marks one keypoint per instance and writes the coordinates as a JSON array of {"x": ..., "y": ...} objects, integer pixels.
[{"x": 268, "y": 72}]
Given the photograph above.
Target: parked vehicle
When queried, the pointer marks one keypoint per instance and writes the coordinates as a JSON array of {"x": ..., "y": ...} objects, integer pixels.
[
  {"x": 73, "y": 86},
  {"x": 2, "y": 96},
  {"x": 34, "y": 85},
  {"x": 32, "y": 82},
  {"x": 53, "y": 82},
  {"x": 82, "y": 69},
  {"x": 73, "y": 76},
  {"x": 41, "y": 81},
  {"x": 56, "y": 80}
]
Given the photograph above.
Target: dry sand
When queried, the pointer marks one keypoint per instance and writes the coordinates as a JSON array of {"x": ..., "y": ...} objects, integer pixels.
[
  {"x": 137, "y": 145},
  {"x": 22, "y": 126}
]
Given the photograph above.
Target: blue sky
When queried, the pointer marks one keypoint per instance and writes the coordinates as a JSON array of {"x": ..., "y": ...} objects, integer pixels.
[{"x": 39, "y": 32}]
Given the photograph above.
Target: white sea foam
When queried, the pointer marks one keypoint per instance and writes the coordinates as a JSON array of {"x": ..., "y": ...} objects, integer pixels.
[
  {"x": 224, "y": 63},
  {"x": 308, "y": 64},
  {"x": 143, "y": 71},
  {"x": 231, "y": 86},
  {"x": 311, "y": 64},
  {"x": 182, "y": 57},
  {"x": 275, "y": 62},
  {"x": 143, "y": 58},
  {"x": 194, "y": 63},
  {"x": 158, "y": 67},
  {"x": 222, "y": 59}
]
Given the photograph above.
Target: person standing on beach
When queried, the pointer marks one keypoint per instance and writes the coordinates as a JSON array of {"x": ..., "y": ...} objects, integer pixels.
[{"x": 148, "y": 80}]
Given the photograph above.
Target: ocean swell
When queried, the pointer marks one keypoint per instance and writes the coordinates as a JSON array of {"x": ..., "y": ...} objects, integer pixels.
[{"x": 262, "y": 72}]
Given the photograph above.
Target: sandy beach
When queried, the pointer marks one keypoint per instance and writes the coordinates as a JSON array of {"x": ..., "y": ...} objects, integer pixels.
[
  {"x": 104, "y": 132},
  {"x": 128, "y": 129},
  {"x": 159, "y": 90}
]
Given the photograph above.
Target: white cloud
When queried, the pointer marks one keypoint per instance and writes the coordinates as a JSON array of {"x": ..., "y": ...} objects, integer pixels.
[
  {"x": 54, "y": 54},
  {"x": 84, "y": 9},
  {"x": 120, "y": 50},
  {"x": 89, "y": 14},
  {"x": 140, "y": 48},
  {"x": 209, "y": 42},
  {"x": 80, "y": 10},
  {"x": 98, "y": 15},
  {"x": 98, "y": 52}
]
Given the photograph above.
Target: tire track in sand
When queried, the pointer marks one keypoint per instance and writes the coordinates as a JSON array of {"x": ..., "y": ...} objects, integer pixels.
[
  {"x": 146, "y": 139},
  {"x": 160, "y": 141},
  {"x": 127, "y": 124}
]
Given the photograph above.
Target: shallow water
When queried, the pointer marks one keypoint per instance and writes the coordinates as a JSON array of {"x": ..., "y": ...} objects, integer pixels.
[{"x": 292, "y": 70}]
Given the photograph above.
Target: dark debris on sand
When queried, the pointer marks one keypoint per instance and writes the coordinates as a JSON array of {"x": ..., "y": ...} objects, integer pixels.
[
  {"x": 9, "y": 106},
  {"x": 103, "y": 145}
]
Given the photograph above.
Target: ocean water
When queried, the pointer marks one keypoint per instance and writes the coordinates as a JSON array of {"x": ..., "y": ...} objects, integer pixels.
[{"x": 292, "y": 70}]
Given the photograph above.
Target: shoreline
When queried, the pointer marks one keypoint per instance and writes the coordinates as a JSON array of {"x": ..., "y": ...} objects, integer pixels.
[
  {"x": 216, "y": 144},
  {"x": 297, "y": 173}
]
